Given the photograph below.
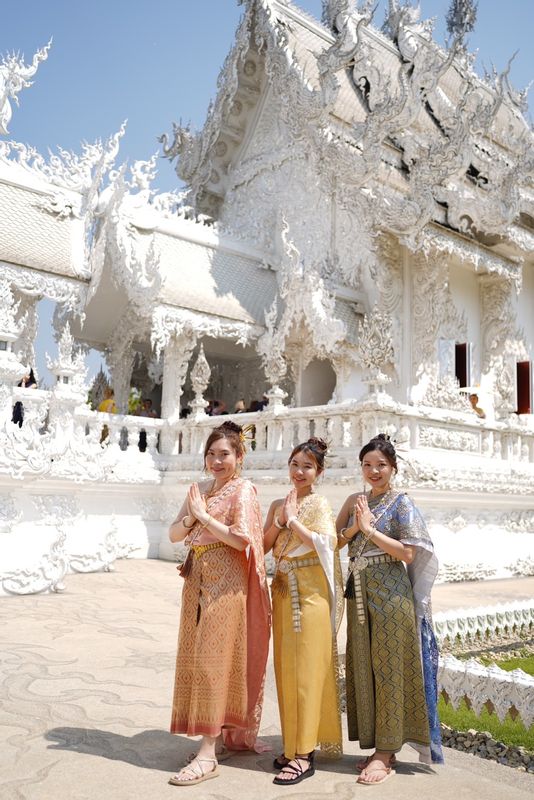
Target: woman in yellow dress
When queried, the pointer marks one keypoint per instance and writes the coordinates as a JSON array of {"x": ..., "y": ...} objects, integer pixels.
[{"x": 306, "y": 596}]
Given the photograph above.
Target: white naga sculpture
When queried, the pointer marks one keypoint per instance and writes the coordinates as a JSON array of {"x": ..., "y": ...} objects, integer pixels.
[{"x": 14, "y": 77}]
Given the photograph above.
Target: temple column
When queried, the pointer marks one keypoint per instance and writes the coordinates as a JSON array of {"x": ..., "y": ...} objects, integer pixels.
[
  {"x": 120, "y": 359},
  {"x": 502, "y": 344},
  {"x": 24, "y": 347},
  {"x": 176, "y": 357}
]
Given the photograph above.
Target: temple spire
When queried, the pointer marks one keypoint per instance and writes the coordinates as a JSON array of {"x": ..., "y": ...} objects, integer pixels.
[{"x": 461, "y": 18}]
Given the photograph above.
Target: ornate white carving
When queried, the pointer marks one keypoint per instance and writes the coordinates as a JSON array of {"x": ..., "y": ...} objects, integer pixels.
[
  {"x": 66, "y": 291},
  {"x": 14, "y": 77},
  {"x": 434, "y": 316},
  {"x": 27, "y": 315},
  {"x": 106, "y": 555},
  {"x": 11, "y": 369},
  {"x": 504, "y": 690},
  {"x": 434, "y": 436},
  {"x": 503, "y": 343},
  {"x": 486, "y": 622},
  {"x": 168, "y": 321},
  {"x": 375, "y": 348},
  {"x": 9, "y": 513},
  {"x": 200, "y": 376}
]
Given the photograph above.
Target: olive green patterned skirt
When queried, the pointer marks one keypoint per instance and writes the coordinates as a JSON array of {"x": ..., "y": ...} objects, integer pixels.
[{"x": 385, "y": 695}]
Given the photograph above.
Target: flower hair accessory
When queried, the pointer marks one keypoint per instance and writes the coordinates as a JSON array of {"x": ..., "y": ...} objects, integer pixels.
[{"x": 246, "y": 434}]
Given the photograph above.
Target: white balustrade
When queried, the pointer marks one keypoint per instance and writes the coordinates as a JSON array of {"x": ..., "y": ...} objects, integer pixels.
[
  {"x": 347, "y": 426},
  {"x": 486, "y": 622},
  {"x": 491, "y": 687},
  {"x": 344, "y": 426}
]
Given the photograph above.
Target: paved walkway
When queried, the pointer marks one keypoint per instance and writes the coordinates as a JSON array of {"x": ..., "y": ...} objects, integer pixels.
[{"x": 86, "y": 687}]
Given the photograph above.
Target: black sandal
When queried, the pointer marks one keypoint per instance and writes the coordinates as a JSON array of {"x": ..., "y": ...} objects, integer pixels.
[
  {"x": 281, "y": 761},
  {"x": 295, "y": 768}
]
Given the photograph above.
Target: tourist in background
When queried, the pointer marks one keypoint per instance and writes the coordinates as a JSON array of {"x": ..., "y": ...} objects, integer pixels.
[
  {"x": 392, "y": 657},
  {"x": 224, "y": 625},
  {"x": 27, "y": 382},
  {"x": 146, "y": 410},
  {"x": 307, "y": 607},
  {"x": 107, "y": 406}
]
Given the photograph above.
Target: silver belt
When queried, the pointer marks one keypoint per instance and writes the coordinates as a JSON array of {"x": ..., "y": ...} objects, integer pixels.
[{"x": 289, "y": 567}]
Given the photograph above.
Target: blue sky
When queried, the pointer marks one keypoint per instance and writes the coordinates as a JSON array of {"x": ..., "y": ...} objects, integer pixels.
[{"x": 152, "y": 63}]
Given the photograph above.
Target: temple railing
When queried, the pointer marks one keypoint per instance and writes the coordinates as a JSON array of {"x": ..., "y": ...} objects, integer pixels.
[
  {"x": 499, "y": 691},
  {"x": 484, "y": 623},
  {"x": 440, "y": 439},
  {"x": 347, "y": 426}
]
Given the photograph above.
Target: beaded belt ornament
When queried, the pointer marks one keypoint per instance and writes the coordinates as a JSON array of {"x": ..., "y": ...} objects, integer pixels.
[{"x": 288, "y": 567}]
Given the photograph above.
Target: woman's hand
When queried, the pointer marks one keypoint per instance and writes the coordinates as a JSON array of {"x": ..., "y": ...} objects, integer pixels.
[
  {"x": 364, "y": 515},
  {"x": 290, "y": 507},
  {"x": 196, "y": 503}
]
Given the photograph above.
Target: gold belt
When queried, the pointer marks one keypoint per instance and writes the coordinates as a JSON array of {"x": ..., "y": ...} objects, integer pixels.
[
  {"x": 200, "y": 549},
  {"x": 289, "y": 567}
]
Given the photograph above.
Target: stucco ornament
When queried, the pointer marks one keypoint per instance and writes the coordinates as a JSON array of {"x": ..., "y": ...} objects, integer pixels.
[
  {"x": 375, "y": 348},
  {"x": 103, "y": 560},
  {"x": 9, "y": 513},
  {"x": 308, "y": 315},
  {"x": 11, "y": 369},
  {"x": 14, "y": 77},
  {"x": 200, "y": 376}
]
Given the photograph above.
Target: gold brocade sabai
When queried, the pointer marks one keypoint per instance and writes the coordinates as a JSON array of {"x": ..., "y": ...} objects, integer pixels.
[{"x": 308, "y": 697}]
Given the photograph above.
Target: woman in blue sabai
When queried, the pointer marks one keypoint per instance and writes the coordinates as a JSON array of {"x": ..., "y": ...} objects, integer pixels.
[{"x": 392, "y": 656}]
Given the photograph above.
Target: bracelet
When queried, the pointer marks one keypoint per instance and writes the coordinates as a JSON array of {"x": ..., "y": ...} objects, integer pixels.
[
  {"x": 292, "y": 519},
  {"x": 208, "y": 522},
  {"x": 277, "y": 523},
  {"x": 369, "y": 536},
  {"x": 185, "y": 524},
  {"x": 343, "y": 535}
]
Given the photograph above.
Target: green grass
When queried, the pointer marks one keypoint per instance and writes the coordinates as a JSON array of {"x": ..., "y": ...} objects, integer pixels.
[
  {"x": 510, "y": 732},
  {"x": 525, "y": 663}
]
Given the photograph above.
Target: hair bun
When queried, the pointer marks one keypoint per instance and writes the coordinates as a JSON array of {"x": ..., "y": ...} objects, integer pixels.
[
  {"x": 318, "y": 444},
  {"x": 228, "y": 425}
]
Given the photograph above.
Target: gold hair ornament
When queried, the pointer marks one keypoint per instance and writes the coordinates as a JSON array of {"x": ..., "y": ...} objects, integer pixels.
[{"x": 247, "y": 434}]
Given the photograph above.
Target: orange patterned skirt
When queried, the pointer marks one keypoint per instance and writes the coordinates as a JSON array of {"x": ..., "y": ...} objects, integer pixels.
[{"x": 210, "y": 689}]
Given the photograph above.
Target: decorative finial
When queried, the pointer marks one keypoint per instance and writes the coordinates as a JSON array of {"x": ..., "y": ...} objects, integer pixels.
[
  {"x": 14, "y": 77},
  {"x": 461, "y": 18}
]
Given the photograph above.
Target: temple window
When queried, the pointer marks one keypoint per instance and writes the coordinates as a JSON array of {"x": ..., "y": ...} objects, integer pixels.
[
  {"x": 462, "y": 363},
  {"x": 524, "y": 387}
]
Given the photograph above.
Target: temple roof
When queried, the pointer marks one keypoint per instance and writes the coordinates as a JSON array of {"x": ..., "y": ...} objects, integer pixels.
[{"x": 213, "y": 280}]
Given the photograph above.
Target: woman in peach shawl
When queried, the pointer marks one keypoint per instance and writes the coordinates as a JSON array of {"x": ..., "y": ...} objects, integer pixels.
[{"x": 225, "y": 619}]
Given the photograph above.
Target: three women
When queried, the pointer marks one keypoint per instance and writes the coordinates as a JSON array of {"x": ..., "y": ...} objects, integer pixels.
[{"x": 222, "y": 650}]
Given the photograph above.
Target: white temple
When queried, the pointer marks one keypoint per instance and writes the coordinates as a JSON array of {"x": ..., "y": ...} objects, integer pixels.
[{"x": 356, "y": 241}]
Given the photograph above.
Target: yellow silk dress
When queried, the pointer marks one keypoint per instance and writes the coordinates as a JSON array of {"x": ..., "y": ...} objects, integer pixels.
[{"x": 307, "y": 600}]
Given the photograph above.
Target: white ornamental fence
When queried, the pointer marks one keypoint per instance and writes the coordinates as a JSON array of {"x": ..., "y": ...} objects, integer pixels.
[
  {"x": 443, "y": 440},
  {"x": 499, "y": 691},
  {"x": 485, "y": 622}
]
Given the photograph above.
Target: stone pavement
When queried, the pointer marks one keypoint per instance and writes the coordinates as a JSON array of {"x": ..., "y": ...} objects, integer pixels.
[{"x": 86, "y": 689}]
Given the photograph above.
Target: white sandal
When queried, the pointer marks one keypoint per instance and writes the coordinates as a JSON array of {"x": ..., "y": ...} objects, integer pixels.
[{"x": 198, "y": 773}]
